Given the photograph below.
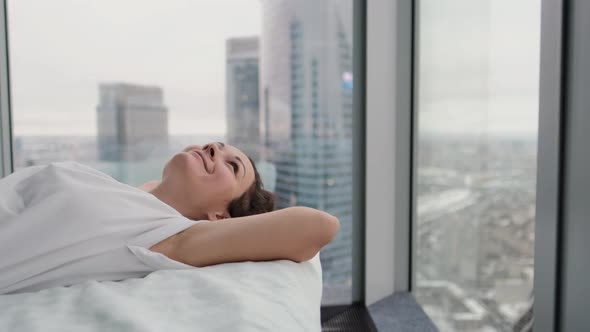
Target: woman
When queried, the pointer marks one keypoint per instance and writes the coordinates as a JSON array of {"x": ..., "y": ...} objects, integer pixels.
[{"x": 65, "y": 223}]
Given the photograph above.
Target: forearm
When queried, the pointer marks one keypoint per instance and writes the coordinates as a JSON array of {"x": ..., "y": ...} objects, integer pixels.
[{"x": 294, "y": 233}]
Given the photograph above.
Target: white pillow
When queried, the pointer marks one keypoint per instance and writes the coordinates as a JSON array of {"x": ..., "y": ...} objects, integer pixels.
[{"x": 248, "y": 296}]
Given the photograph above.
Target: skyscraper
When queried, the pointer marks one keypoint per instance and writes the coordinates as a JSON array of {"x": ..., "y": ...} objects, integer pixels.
[
  {"x": 242, "y": 107},
  {"x": 306, "y": 118},
  {"x": 132, "y": 121}
]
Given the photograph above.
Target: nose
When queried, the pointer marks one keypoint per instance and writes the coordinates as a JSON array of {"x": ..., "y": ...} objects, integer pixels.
[{"x": 212, "y": 150}]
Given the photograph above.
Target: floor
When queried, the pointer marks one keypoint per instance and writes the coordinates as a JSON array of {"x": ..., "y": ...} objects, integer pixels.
[
  {"x": 400, "y": 312},
  {"x": 347, "y": 318},
  {"x": 395, "y": 313}
]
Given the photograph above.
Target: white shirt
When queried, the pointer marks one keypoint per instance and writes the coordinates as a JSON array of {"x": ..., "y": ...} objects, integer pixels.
[{"x": 65, "y": 223}]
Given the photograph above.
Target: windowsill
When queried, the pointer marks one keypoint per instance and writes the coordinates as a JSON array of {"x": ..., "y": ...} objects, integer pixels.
[{"x": 400, "y": 312}]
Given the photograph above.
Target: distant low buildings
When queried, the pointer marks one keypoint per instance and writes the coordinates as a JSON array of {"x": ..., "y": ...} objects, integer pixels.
[{"x": 474, "y": 225}]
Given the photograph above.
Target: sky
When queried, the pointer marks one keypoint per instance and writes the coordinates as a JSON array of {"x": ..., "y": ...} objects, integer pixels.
[
  {"x": 478, "y": 67},
  {"x": 60, "y": 50}
]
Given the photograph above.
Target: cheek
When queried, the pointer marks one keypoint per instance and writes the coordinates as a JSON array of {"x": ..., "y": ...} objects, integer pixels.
[
  {"x": 219, "y": 186},
  {"x": 224, "y": 179}
]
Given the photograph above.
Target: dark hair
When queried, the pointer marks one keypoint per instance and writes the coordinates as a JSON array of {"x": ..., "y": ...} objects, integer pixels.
[{"x": 254, "y": 201}]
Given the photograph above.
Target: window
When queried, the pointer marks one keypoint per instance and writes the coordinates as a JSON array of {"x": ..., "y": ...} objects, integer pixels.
[
  {"x": 123, "y": 86},
  {"x": 476, "y": 98}
]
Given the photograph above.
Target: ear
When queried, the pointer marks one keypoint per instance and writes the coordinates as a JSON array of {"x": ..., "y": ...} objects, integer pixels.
[{"x": 217, "y": 215}]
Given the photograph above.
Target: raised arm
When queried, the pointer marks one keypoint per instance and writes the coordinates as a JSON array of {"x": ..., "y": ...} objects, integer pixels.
[{"x": 295, "y": 233}]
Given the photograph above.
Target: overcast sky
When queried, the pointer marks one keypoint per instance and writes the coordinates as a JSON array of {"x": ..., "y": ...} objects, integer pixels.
[
  {"x": 478, "y": 67},
  {"x": 61, "y": 49}
]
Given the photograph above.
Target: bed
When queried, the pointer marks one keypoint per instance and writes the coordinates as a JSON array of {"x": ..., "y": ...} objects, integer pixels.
[{"x": 247, "y": 296}]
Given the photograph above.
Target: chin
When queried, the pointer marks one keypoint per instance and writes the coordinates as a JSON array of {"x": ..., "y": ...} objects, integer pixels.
[{"x": 180, "y": 162}]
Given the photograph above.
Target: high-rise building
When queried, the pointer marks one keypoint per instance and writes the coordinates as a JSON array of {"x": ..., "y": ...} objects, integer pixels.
[
  {"x": 306, "y": 118},
  {"x": 132, "y": 121},
  {"x": 242, "y": 107}
]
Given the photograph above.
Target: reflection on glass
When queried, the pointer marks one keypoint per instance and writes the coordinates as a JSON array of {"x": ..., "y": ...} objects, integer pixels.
[
  {"x": 477, "y": 74},
  {"x": 123, "y": 86}
]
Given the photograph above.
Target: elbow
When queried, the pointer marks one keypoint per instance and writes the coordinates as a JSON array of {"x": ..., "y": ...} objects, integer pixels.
[
  {"x": 323, "y": 227},
  {"x": 326, "y": 233},
  {"x": 329, "y": 226},
  {"x": 333, "y": 227}
]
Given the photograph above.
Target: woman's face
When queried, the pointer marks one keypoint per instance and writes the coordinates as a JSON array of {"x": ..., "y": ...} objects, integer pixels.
[{"x": 209, "y": 176}]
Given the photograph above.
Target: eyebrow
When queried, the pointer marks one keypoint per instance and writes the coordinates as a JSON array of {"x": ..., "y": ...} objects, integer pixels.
[{"x": 221, "y": 146}]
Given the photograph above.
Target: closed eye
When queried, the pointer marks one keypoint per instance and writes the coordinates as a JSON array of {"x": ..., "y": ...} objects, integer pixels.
[{"x": 234, "y": 166}]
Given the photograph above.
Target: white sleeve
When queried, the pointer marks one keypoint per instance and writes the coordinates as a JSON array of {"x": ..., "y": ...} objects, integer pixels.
[
  {"x": 11, "y": 202},
  {"x": 140, "y": 245}
]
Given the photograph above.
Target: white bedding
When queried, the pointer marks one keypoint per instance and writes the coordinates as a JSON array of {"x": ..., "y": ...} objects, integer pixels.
[{"x": 248, "y": 296}]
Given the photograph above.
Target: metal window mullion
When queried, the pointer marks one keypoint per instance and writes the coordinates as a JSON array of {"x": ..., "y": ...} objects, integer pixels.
[
  {"x": 549, "y": 168},
  {"x": 359, "y": 155},
  {"x": 6, "y": 162},
  {"x": 405, "y": 127},
  {"x": 388, "y": 147},
  {"x": 573, "y": 288}
]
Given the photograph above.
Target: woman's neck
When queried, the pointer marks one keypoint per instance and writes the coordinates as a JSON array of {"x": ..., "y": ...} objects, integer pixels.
[{"x": 175, "y": 201}]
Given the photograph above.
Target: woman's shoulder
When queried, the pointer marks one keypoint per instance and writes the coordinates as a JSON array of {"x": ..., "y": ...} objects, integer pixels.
[
  {"x": 31, "y": 172},
  {"x": 75, "y": 166},
  {"x": 62, "y": 176},
  {"x": 71, "y": 164}
]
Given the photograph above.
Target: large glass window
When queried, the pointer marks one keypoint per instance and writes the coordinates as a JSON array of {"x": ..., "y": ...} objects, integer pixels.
[
  {"x": 124, "y": 85},
  {"x": 477, "y": 71}
]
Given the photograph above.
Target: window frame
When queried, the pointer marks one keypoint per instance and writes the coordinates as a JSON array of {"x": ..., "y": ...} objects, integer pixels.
[
  {"x": 549, "y": 166},
  {"x": 388, "y": 169},
  {"x": 570, "y": 297},
  {"x": 379, "y": 225},
  {"x": 549, "y": 222}
]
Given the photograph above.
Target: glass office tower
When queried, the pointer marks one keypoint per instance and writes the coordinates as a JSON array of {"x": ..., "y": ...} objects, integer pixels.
[{"x": 306, "y": 118}]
